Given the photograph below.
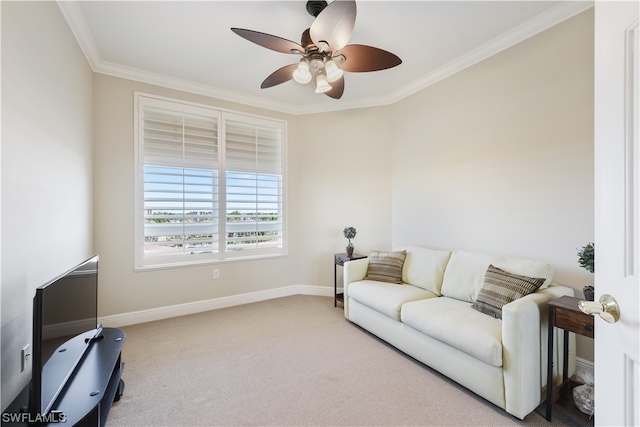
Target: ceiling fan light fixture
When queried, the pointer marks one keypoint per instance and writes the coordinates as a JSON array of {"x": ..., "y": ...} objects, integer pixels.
[
  {"x": 302, "y": 74},
  {"x": 333, "y": 72},
  {"x": 324, "y": 49},
  {"x": 316, "y": 63},
  {"x": 322, "y": 85}
]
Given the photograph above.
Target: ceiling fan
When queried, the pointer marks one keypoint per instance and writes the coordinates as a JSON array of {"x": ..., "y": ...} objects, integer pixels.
[{"x": 324, "y": 50}]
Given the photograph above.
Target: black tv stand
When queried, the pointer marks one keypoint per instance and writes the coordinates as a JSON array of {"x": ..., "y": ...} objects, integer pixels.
[{"x": 88, "y": 395}]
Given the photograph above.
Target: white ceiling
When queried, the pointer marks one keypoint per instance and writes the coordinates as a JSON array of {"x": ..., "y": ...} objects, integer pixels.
[{"x": 188, "y": 45}]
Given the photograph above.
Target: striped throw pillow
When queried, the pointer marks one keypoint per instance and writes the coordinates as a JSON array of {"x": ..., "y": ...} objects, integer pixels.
[
  {"x": 501, "y": 288},
  {"x": 386, "y": 266}
]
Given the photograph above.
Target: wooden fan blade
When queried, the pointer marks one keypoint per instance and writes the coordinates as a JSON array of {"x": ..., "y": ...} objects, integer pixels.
[
  {"x": 334, "y": 24},
  {"x": 267, "y": 40},
  {"x": 337, "y": 89},
  {"x": 281, "y": 75},
  {"x": 360, "y": 58}
]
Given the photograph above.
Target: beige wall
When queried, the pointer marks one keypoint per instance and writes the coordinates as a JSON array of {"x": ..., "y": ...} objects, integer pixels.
[
  {"x": 338, "y": 174},
  {"x": 499, "y": 157},
  {"x": 121, "y": 289},
  {"x": 344, "y": 180},
  {"x": 46, "y": 167}
]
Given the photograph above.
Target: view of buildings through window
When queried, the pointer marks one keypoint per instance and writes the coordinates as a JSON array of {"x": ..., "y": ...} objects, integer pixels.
[{"x": 181, "y": 211}]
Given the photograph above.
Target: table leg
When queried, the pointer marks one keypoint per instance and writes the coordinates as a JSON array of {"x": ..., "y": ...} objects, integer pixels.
[
  {"x": 335, "y": 285},
  {"x": 565, "y": 357},
  {"x": 549, "y": 364}
]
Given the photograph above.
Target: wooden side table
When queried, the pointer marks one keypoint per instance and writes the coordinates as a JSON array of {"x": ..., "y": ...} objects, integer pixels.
[
  {"x": 565, "y": 314},
  {"x": 339, "y": 260}
]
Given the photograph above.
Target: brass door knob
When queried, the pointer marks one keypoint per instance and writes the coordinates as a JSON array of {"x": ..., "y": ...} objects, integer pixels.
[{"x": 607, "y": 308}]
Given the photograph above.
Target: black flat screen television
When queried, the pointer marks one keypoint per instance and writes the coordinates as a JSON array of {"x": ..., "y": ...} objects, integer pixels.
[{"x": 65, "y": 324}]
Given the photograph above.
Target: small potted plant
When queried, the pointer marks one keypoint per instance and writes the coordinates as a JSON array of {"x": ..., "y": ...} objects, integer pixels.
[
  {"x": 349, "y": 233},
  {"x": 586, "y": 259}
]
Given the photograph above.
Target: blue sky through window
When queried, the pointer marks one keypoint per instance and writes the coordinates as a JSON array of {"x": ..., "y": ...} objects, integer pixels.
[{"x": 182, "y": 190}]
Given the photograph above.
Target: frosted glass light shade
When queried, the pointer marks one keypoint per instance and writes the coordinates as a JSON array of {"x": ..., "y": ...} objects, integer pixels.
[
  {"x": 322, "y": 85},
  {"x": 333, "y": 72},
  {"x": 302, "y": 74}
]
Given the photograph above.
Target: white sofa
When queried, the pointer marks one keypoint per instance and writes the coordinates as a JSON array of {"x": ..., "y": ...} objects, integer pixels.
[{"x": 429, "y": 316}]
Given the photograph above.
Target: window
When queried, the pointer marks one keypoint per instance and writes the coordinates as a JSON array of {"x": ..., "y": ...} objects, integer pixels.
[{"x": 209, "y": 184}]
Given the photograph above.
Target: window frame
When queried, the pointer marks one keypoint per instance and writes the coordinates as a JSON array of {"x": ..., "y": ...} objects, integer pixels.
[{"x": 222, "y": 115}]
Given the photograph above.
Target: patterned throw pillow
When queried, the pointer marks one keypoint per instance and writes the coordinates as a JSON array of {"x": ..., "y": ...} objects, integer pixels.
[
  {"x": 386, "y": 266},
  {"x": 501, "y": 288}
]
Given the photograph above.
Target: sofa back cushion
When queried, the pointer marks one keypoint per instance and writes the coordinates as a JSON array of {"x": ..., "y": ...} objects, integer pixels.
[
  {"x": 464, "y": 275},
  {"x": 424, "y": 267}
]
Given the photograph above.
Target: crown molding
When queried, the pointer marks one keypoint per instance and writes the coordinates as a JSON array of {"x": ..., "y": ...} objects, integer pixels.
[
  {"x": 560, "y": 13},
  {"x": 75, "y": 19},
  {"x": 528, "y": 29},
  {"x": 169, "y": 82}
]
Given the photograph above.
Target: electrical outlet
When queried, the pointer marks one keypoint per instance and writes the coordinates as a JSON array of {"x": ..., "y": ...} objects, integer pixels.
[
  {"x": 25, "y": 357},
  {"x": 216, "y": 274}
]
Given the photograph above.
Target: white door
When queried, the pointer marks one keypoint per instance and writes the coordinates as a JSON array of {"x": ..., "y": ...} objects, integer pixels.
[{"x": 617, "y": 194}]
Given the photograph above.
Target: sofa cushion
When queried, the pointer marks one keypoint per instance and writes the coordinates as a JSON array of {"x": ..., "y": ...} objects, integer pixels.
[
  {"x": 464, "y": 276},
  {"x": 424, "y": 267},
  {"x": 386, "y": 266},
  {"x": 501, "y": 288},
  {"x": 455, "y": 323},
  {"x": 387, "y": 298}
]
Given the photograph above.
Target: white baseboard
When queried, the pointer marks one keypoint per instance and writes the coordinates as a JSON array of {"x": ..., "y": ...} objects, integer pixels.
[{"x": 132, "y": 318}]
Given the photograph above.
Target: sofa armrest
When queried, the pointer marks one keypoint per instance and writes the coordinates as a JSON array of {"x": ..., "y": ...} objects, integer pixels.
[
  {"x": 353, "y": 271},
  {"x": 524, "y": 326}
]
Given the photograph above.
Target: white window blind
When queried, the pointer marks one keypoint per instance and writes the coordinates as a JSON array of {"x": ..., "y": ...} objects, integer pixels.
[
  {"x": 209, "y": 184},
  {"x": 254, "y": 185}
]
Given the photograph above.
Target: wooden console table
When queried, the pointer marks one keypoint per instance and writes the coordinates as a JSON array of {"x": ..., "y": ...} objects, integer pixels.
[{"x": 565, "y": 314}]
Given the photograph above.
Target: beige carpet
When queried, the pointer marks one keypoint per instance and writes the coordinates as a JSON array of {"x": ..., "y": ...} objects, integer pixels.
[{"x": 291, "y": 361}]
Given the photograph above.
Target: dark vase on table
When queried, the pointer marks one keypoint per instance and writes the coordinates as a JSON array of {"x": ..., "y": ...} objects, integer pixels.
[
  {"x": 349, "y": 251},
  {"x": 589, "y": 294}
]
